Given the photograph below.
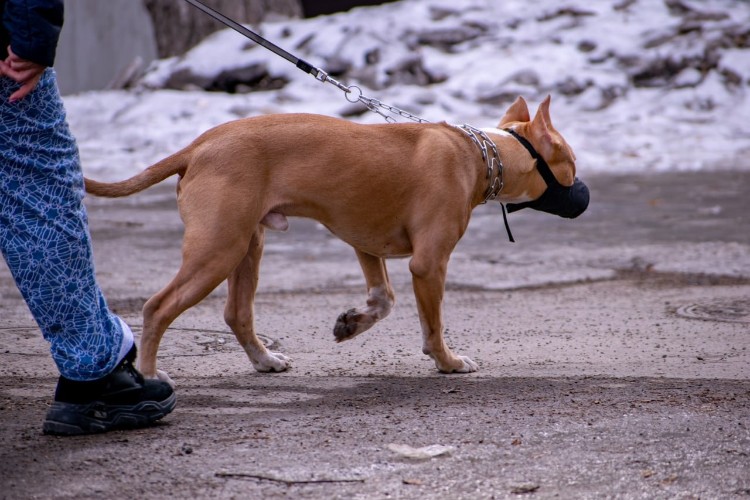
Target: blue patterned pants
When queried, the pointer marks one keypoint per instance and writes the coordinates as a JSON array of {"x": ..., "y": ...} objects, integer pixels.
[{"x": 44, "y": 234}]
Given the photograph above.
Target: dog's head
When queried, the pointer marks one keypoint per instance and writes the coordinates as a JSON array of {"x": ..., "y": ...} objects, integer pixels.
[{"x": 565, "y": 195}]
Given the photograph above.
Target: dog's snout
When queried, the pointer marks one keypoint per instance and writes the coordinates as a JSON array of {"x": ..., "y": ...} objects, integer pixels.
[{"x": 578, "y": 199}]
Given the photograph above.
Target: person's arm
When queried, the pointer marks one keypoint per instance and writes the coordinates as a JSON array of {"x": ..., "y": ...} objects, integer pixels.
[{"x": 34, "y": 27}]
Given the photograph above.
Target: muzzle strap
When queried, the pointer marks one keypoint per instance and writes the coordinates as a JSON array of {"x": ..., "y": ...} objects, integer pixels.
[
  {"x": 541, "y": 164},
  {"x": 507, "y": 226}
]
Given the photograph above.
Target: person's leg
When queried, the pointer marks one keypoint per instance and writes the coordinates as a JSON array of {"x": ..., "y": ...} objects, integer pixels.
[
  {"x": 44, "y": 235},
  {"x": 45, "y": 241}
]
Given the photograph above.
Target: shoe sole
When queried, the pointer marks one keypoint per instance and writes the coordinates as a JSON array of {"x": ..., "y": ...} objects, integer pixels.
[{"x": 68, "y": 419}]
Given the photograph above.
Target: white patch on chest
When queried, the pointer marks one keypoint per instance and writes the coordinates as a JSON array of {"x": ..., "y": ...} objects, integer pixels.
[
  {"x": 517, "y": 199},
  {"x": 496, "y": 131}
]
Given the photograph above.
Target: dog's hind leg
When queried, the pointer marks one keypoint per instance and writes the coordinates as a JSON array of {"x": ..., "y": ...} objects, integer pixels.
[
  {"x": 380, "y": 300},
  {"x": 193, "y": 282},
  {"x": 239, "y": 313},
  {"x": 428, "y": 270},
  {"x": 209, "y": 254}
]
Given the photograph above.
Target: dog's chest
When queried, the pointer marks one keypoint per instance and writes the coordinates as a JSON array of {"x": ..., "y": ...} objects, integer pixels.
[{"x": 385, "y": 244}]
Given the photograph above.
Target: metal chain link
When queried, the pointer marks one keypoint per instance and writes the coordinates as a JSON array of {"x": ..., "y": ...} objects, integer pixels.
[
  {"x": 354, "y": 94},
  {"x": 374, "y": 104},
  {"x": 493, "y": 162}
]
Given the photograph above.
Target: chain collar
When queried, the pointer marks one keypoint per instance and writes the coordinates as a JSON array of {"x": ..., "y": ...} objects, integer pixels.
[{"x": 491, "y": 159}]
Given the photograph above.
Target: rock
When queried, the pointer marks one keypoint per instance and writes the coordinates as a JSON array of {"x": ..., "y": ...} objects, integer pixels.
[
  {"x": 254, "y": 76},
  {"x": 688, "y": 77},
  {"x": 521, "y": 489},
  {"x": 410, "y": 70},
  {"x": 446, "y": 38},
  {"x": 423, "y": 453}
]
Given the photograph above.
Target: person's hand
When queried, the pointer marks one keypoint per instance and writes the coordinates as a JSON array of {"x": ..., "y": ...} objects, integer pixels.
[{"x": 25, "y": 72}]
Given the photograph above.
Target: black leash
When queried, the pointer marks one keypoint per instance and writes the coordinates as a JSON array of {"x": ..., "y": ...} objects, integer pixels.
[
  {"x": 352, "y": 92},
  {"x": 301, "y": 64}
]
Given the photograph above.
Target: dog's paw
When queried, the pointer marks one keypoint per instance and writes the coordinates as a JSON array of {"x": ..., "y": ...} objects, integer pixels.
[
  {"x": 469, "y": 365},
  {"x": 272, "y": 362},
  {"x": 162, "y": 375},
  {"x": 347, "y": 325},
  {"x": 351, "y": 323},
  {"x": 459, "y": 364}
]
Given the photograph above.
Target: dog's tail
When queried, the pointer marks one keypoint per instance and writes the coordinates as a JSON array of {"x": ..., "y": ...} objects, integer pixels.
[{"x": 169, "y": 166}]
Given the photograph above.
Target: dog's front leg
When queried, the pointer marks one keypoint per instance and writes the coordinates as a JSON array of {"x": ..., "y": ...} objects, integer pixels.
[
  {"x": 428, "y": 279},
  {"x": 380, "y": 299},
  {"x": 238, "y": 313}
]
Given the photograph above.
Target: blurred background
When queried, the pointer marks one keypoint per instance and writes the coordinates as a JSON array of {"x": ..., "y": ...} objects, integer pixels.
[
  {"x": 636, "y": 85},
  {"x": 105, "y": 43}
]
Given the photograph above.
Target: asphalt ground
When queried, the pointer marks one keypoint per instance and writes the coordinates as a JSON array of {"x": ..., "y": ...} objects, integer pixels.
[{"x": 613, "y": 354}]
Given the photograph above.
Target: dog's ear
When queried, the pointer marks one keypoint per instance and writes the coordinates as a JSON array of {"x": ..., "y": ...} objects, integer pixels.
[
  {"x": 544, "y": 110},
  {"x": 517, "y": 112},
  {"x": 551, "y": 145},
  {"x": 541, "y": 128}
]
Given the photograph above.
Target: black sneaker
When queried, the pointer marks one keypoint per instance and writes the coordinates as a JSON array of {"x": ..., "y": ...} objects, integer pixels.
[{"x": 121, "y": 400}]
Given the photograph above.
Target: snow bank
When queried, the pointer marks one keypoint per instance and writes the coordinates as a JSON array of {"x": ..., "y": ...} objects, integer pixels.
[{"x": 637, "y": 85}]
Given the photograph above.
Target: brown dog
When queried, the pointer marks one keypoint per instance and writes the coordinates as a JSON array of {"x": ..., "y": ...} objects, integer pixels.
[{"x": 390, "y": 190}]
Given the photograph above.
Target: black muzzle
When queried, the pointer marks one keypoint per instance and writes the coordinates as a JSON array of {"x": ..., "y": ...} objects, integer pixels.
[
  {"x": 568, "y": 202},
  {"x": 565, "y": 201}
]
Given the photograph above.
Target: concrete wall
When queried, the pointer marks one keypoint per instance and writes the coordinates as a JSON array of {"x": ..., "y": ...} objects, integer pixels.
[{"x": 100, "y": 39}]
